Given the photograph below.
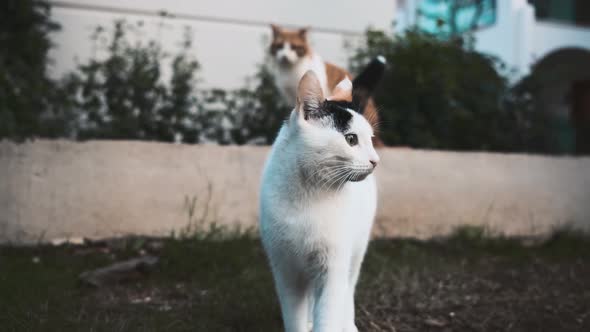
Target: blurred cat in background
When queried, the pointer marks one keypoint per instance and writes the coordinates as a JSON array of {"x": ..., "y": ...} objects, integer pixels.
[{"x": 292, "y": 56}]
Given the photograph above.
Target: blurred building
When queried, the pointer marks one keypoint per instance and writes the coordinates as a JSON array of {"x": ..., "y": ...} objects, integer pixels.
[
  {"x": 230, "y": 37},
  {"x": 543, "y": 42}
]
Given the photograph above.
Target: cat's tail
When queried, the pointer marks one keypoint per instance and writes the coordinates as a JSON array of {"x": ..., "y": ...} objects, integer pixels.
[
  {"x": 363, "y": 87},
  {"x": 371, "y": 75}
]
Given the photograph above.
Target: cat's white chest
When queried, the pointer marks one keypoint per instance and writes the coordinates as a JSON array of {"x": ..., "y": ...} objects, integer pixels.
[
  {"x": 347, "y": 215},
  {"x": 287, "y": 79},
  {"x": 340, "y": 223}
]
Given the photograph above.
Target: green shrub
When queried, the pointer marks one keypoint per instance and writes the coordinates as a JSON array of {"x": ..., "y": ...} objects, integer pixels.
[
  {"x": 253, "y": 115},
  {"x": 123, "y": 97},
  {"x": 25, "y": 89}
]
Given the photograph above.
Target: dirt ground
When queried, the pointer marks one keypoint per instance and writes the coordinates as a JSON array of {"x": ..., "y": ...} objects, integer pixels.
[{"x": 467, "y": 282}]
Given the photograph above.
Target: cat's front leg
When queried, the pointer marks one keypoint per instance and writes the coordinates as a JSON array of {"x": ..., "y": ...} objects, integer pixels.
[
  {"x": 330, "y": 301},
  {"x": 355, "y": 268},
  {"x": 349, "y": 316},
  {"x": 293, "y": 298}
]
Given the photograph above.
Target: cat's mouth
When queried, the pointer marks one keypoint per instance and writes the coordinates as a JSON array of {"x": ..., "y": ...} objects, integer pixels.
[
  {"x": 357, "y": 176},
  {"x": 359, "y": 173},
  {"x": 335, "y": 172}
]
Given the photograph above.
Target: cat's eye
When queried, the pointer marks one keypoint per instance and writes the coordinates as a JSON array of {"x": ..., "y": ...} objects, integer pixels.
[
  {"x": 274, "y": 47},
  {"x": 351, "y": 139}
]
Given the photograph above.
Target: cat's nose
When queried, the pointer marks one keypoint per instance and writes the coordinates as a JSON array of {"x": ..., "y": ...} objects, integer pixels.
[
  {"x": 373, "y": 162},
  {"x": 283, "y": 59}
]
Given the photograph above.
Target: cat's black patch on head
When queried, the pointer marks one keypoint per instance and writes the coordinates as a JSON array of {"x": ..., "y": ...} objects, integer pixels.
[
  {"x": 331, "y": 113},
  {"x": 341, "y": 117}
]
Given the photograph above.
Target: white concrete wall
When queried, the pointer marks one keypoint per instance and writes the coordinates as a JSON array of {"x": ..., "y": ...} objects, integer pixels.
[
  {"x": 507, "y": 38},
  {"x": 52, "y": 189},
  {"x": 230, "y": 36}
]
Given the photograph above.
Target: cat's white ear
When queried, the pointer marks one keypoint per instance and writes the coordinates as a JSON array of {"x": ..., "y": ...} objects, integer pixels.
[
  {"x": 342, "y": 91},
  {"x": 309, "y": 94}
]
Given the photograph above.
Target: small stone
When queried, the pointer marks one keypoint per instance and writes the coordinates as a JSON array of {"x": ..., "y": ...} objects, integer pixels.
[{"x": 433, "y": 322}]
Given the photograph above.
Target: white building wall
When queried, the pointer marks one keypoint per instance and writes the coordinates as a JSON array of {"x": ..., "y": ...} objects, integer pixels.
[
  {"x": 229, "y": 36},
  {"x": 517, "y": 38},
  {"x": 505, "y": 39},
  {"x": 550, "y": 36}
]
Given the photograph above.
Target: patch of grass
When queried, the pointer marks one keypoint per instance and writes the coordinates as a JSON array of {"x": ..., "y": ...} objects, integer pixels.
[{"x": 218, "y": 282}]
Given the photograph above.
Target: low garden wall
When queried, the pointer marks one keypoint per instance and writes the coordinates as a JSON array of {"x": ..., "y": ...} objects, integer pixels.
[{"x": 57, "y": 189}]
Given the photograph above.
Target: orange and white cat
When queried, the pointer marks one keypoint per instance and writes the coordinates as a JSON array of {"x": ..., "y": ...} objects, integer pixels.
[{"x": 292, "y": 56}]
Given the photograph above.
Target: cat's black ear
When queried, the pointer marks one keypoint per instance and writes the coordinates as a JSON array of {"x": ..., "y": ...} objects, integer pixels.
[
  {"x": 365, "y": 83},
  {"x": 310, "y": 98}
]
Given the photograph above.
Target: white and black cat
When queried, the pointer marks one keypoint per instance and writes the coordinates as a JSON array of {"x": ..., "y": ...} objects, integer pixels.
[{"x": 318, "y": 201}]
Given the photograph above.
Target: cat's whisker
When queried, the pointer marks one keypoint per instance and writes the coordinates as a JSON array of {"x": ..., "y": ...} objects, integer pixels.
[
  {"x": 327, "y": 177},
  {"x": 330, "y": 170},
  {"x": 336, "y": 178},
  {"x": 343, "y": 179},
  {"x": 320, "y": 169},
  {"x": 339, "y": 165},
  {"x": 327, "y": 181},
  {"x": 342, "y": 176}
]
